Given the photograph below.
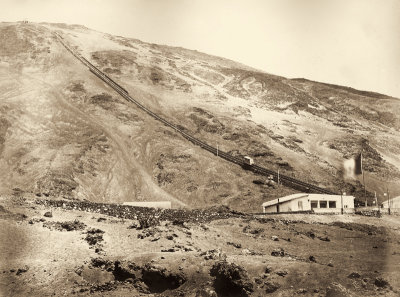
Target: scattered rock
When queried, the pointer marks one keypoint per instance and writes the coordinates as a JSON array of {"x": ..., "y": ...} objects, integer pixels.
[
  {"x": 170, "y": 250},
  {"x": 250, "y": 252},
  {"x": 79, "y": 270},
  {"x": 278, "y": 252},
  {"x": 102, "y": 263},
  {"x": 236, "y": 245},
  {"x": 48, "y": 214},
  {"x": 215, "y": 254},
  {"x": 141, "y": 287},
  {"x": 275, "y": 238},
  {"x": 381, "y": 282},
  {"x": 148, "y": 221},
  {"x": 150, "y": 232},
  {"x": 271, "y": 287},
  {"x": 204, "y": 227},
  {"x": 94, "y": 236},
  {"x": 109, "y": 286},
  {"x": 301, "y": 291},
  {"x": 65, "y": 226},
  {"x": 281, "y": 273},
  {"x": 255, "y": 231},
  {"x": 178, "y": 222},
  {"x": 354, "y": 275},
  {"x": 337, "y": 290},
  {"x": 310, "y": 234},
  {"x": 207, "y": 292},
  {"x": 133, "y": 226},
  {"x": 22, "y": 270},
  {"x": 231, "y": 279},
  {"x": 312, "y": 259}
]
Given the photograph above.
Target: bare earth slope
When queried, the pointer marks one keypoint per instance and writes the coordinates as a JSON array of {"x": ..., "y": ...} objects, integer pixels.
[
  {"x": 65, "y": 134},
  {"x": 76, "y": 251}
]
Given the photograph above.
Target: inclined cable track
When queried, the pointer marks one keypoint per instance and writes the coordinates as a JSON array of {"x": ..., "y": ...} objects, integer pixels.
[{"x": 285, "y": 180}]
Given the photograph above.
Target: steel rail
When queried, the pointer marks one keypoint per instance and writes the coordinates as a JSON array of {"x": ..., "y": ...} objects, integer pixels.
[{"x": 284, "y": 179}]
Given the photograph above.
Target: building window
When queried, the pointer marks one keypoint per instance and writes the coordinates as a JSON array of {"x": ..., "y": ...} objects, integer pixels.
[
  {"x": 300, "y": 205},
  {"x": 314, "y": 204},
  {"x": 332, "y": 204},
  {"x": 345, "y": 206},
  {"x": 322, "y": 204}
]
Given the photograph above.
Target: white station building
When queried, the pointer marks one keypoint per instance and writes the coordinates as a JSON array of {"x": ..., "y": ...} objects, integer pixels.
[
  {"x": 319, "y": 203},
  {"x": 392, "y": 203}
]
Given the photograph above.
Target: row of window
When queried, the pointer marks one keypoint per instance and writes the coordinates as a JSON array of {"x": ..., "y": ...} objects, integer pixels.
[{"x": 322, "y": 204}]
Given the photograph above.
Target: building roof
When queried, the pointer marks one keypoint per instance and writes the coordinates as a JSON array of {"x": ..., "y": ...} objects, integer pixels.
[
  {"x": 392, "y": 201},
  {"x": 284, "y": 199}
]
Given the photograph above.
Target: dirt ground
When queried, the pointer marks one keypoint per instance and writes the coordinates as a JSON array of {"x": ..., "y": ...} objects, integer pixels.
[
  {"x": 56, "y": 251},
  {"x": 64, "y": 134}
]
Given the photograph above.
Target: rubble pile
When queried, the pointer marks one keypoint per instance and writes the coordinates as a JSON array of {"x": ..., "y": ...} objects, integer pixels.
[{"x": 133, "y": 212}]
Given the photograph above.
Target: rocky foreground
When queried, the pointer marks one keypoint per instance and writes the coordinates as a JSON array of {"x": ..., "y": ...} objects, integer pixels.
[{"x": 83, "y": 248}]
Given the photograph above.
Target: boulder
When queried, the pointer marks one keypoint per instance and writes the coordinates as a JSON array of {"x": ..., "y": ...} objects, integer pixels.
[
  {"x": 231, "y": 280},
  {"x": 48, "y": 214}
]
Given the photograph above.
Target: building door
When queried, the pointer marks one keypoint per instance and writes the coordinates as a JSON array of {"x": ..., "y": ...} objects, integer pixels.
[{"x": 300, "y": 205}]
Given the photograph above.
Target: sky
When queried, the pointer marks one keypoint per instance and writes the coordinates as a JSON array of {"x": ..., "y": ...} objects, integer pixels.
[{"x": 354, "y": 43}]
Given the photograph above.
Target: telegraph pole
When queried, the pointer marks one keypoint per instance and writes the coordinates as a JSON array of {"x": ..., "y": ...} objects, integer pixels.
[
  {"x": 341, "y": 201},
  {"x": 278, "y": 176},
  {"x": 217, "y": 149},
  {"x": 365, "y": 189}
]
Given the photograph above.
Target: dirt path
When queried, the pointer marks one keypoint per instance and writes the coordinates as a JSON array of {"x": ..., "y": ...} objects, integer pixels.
[{"x": 134, "y": 166}]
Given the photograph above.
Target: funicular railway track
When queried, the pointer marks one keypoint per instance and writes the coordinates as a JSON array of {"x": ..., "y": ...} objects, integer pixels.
[{"x": 283, "y": 179}]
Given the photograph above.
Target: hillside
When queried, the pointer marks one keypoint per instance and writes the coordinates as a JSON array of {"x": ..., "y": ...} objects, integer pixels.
[{"x": 65, "y": 134}]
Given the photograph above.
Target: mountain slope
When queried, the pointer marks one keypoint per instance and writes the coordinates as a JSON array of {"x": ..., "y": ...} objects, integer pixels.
[{"x": 65, "y": 133}]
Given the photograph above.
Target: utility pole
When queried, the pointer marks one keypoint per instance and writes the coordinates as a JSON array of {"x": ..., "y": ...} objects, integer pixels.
[
  {"x": 278, "y": 176},
  {"x": 341, "y": 201},
  {"x": 217, "y": 149},
  {"x": 365, "y": 189},
  {"x": 387, "y": 189}
]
